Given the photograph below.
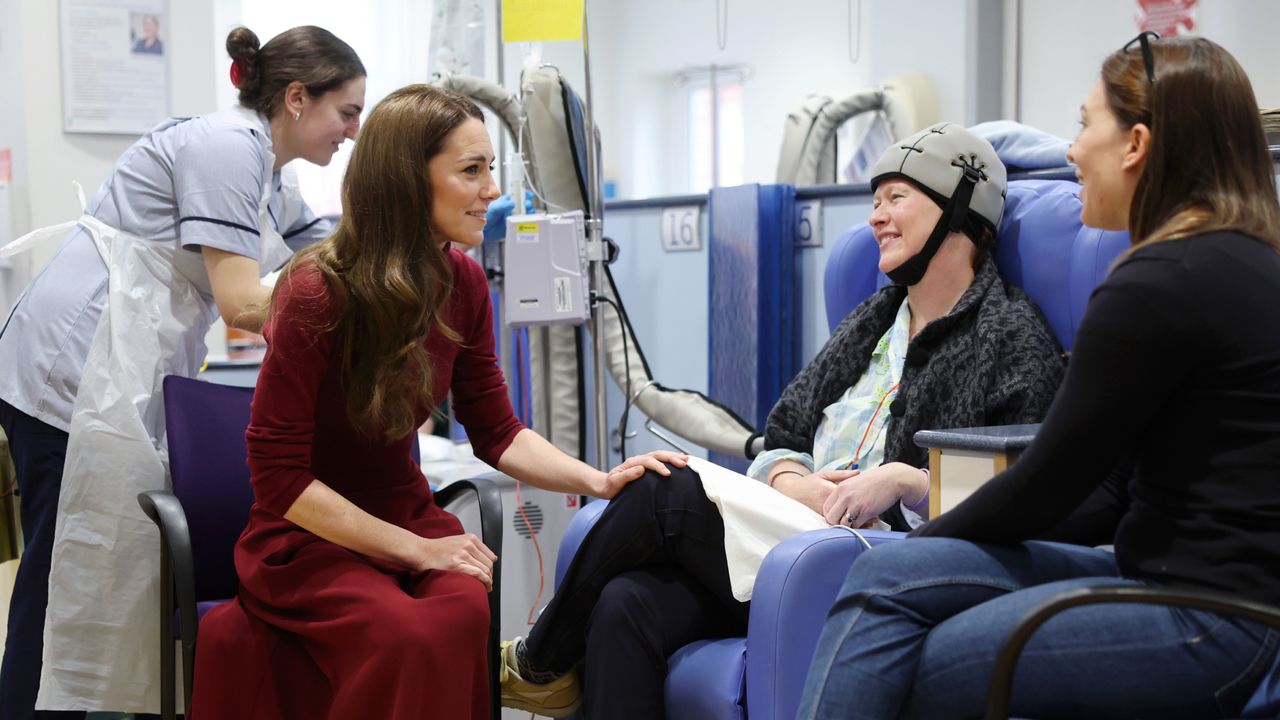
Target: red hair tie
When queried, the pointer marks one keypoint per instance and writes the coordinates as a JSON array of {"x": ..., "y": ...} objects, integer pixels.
[{"x": 238, "y": 72}]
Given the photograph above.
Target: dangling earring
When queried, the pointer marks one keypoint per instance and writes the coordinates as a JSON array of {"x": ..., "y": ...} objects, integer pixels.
[{"x": 297, "y": 115}]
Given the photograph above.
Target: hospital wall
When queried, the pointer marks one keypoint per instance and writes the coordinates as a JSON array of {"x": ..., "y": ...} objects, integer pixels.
[
  {"x": 1050, "y": 54},
  {"x": 46, "y": 160},
  {"x": 1064, "y": 43},
  {"x": 13, "y": 272},
  {"x": 794, "y": 48},
  {"x": 1049, "y": 60},
  {"x": 666, "y": 296}
]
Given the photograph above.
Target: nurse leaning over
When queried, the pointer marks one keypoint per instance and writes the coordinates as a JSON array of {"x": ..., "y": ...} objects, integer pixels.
[{"x": 185, "y": 225}]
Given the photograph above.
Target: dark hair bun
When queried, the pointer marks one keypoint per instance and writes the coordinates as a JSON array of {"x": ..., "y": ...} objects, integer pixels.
[
  {"x": 242, "y": 44},
  {"x": 308, "y": 55}
]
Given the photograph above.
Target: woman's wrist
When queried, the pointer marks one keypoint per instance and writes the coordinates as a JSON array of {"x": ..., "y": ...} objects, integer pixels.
[
  {"x": 915, "y": 495},
  {"x": 773, "y": 477},
  {"x": 418, "y": 549},
  {"x": 595, "y": 482}
]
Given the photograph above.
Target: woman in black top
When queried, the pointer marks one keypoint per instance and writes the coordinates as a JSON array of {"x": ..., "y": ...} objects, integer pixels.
[{"x": 1177, "y": 367}]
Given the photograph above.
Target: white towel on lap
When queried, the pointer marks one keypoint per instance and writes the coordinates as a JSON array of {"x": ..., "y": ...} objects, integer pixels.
[{"x": 756, "y": 517}]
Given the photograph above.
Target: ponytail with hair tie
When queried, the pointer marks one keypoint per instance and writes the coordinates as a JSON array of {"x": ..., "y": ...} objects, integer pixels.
[{"x": 239, "y": 72}]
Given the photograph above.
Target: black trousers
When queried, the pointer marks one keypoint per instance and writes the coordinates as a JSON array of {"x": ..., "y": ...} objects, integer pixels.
[
  {"x": 649, "y": 578},
  {"x": 39, "y": 451}
]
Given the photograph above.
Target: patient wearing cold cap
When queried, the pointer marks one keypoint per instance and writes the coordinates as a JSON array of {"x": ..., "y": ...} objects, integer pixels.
[
  {"x": 954, "y": 347},
  {"x": 958, "y": 171}
]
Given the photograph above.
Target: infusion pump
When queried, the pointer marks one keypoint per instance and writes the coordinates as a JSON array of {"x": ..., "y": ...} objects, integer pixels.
[{"x": 544, "y": 264}]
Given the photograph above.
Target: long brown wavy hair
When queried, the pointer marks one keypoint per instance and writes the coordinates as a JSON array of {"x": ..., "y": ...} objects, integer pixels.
[
  {"x": 1209, "y": 167},
  {"x": 384, "y": 264}
]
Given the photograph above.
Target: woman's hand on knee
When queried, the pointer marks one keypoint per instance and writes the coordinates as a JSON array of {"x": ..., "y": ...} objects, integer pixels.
[
  {"x": 458, "y": 553},
  {"x": 635, "y": 466}
]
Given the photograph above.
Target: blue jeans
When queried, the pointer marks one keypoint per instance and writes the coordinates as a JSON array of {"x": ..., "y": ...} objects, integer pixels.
[{"x": 915, "y": 630}]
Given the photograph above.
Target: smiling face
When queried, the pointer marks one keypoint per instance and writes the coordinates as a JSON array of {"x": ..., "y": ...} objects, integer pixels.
[
  {"x": 324, "y": 122},
  {"x": 902, "y": 218},
  {"x": 1103, "y": 156},
  {"x": 462, "y": 184}
]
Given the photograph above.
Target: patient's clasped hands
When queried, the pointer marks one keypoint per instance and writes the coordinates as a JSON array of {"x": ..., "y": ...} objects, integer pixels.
[{"x": 859, "y": 500}]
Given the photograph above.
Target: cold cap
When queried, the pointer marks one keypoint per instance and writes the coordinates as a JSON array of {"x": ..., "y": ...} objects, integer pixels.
[{"x": 937, "y": 159}]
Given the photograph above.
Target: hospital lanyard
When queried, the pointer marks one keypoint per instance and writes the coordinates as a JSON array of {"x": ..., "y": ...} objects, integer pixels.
[{"x": 857, "y": 454}]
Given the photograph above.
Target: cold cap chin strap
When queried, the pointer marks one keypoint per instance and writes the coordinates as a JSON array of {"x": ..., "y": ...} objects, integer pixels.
[{"x": 954, "y": 214}]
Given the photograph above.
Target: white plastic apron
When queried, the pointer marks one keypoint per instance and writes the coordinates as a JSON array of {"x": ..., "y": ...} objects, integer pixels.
[{"x": 101, "y": 635}]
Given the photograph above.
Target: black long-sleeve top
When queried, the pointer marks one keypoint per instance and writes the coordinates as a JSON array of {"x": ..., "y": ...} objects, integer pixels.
[{"x": 1177, "y": 366}]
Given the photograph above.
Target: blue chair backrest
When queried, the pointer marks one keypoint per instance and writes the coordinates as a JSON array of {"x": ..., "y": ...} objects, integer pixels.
[
  {"x": 1041, "y": 247},
  {"x": 205, "y": 424}
]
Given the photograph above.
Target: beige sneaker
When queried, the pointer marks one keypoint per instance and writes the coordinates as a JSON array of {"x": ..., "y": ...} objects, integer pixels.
[{"x": 558, "y": 698}]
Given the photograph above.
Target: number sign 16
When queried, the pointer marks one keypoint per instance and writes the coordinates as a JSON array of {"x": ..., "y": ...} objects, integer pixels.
[{"x": 682, "y": 228}]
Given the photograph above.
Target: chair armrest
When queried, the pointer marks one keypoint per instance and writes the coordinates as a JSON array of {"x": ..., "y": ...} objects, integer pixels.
[
  {"x": 794, "y": 590},
  {"x": 993, "y": 439},
  {"x": 166, "y": 512},
  {"x": 489, "y": 503},
  {"x": 577, "y": 529},
  {"x": 705, "y": 681},
  {"x": 1001, "y": 687},
  {"x": 963, "y": 459},
  {"x": 177, "y": 576}
]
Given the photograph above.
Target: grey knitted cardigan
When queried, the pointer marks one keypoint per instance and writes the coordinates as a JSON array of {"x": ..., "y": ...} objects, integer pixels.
[{"x": 992, "y": 360}]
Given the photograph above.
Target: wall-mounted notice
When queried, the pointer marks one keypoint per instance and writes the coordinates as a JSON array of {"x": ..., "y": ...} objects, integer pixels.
[
  {"x": 538, "y": 20},
  {"x": 115, "y": 65}
]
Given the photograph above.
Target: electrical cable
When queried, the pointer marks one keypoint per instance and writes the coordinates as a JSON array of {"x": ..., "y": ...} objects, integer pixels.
[
  {"x": 527, "y": 168},
  {"x": 626, "y": 364},
  {"x": 857, "y": 535},
  {"x": 532, "y": 617}
]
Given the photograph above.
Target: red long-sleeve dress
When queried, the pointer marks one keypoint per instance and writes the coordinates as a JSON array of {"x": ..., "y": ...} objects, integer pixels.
[{"x": 319, "y": 631}]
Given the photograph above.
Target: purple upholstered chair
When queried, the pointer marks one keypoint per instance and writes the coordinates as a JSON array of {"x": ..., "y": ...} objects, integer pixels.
[{"x": 206, "y": 424}]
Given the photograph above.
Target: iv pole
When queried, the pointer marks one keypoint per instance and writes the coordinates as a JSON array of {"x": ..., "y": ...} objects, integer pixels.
[
  {"x": 509, "y": 368},
  {"x": 595, "y": 254}
]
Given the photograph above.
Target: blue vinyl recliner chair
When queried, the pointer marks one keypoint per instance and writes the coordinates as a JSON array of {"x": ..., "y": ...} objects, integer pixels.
[{"x": 1041, "y": 247}]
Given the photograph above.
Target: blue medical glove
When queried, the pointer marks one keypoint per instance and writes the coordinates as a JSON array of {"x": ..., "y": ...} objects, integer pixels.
[{"x": 495, "y": 218}]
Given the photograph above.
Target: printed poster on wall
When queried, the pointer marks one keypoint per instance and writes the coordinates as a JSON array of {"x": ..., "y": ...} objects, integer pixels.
[{"x": 115, "y": 65}]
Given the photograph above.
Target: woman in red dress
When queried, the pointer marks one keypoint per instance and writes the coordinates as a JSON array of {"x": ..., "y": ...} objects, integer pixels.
[{"x": 360, "y": 597}]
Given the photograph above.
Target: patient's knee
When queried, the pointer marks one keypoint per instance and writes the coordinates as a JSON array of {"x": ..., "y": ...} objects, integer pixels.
[{"x": 663, "y": 489}]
